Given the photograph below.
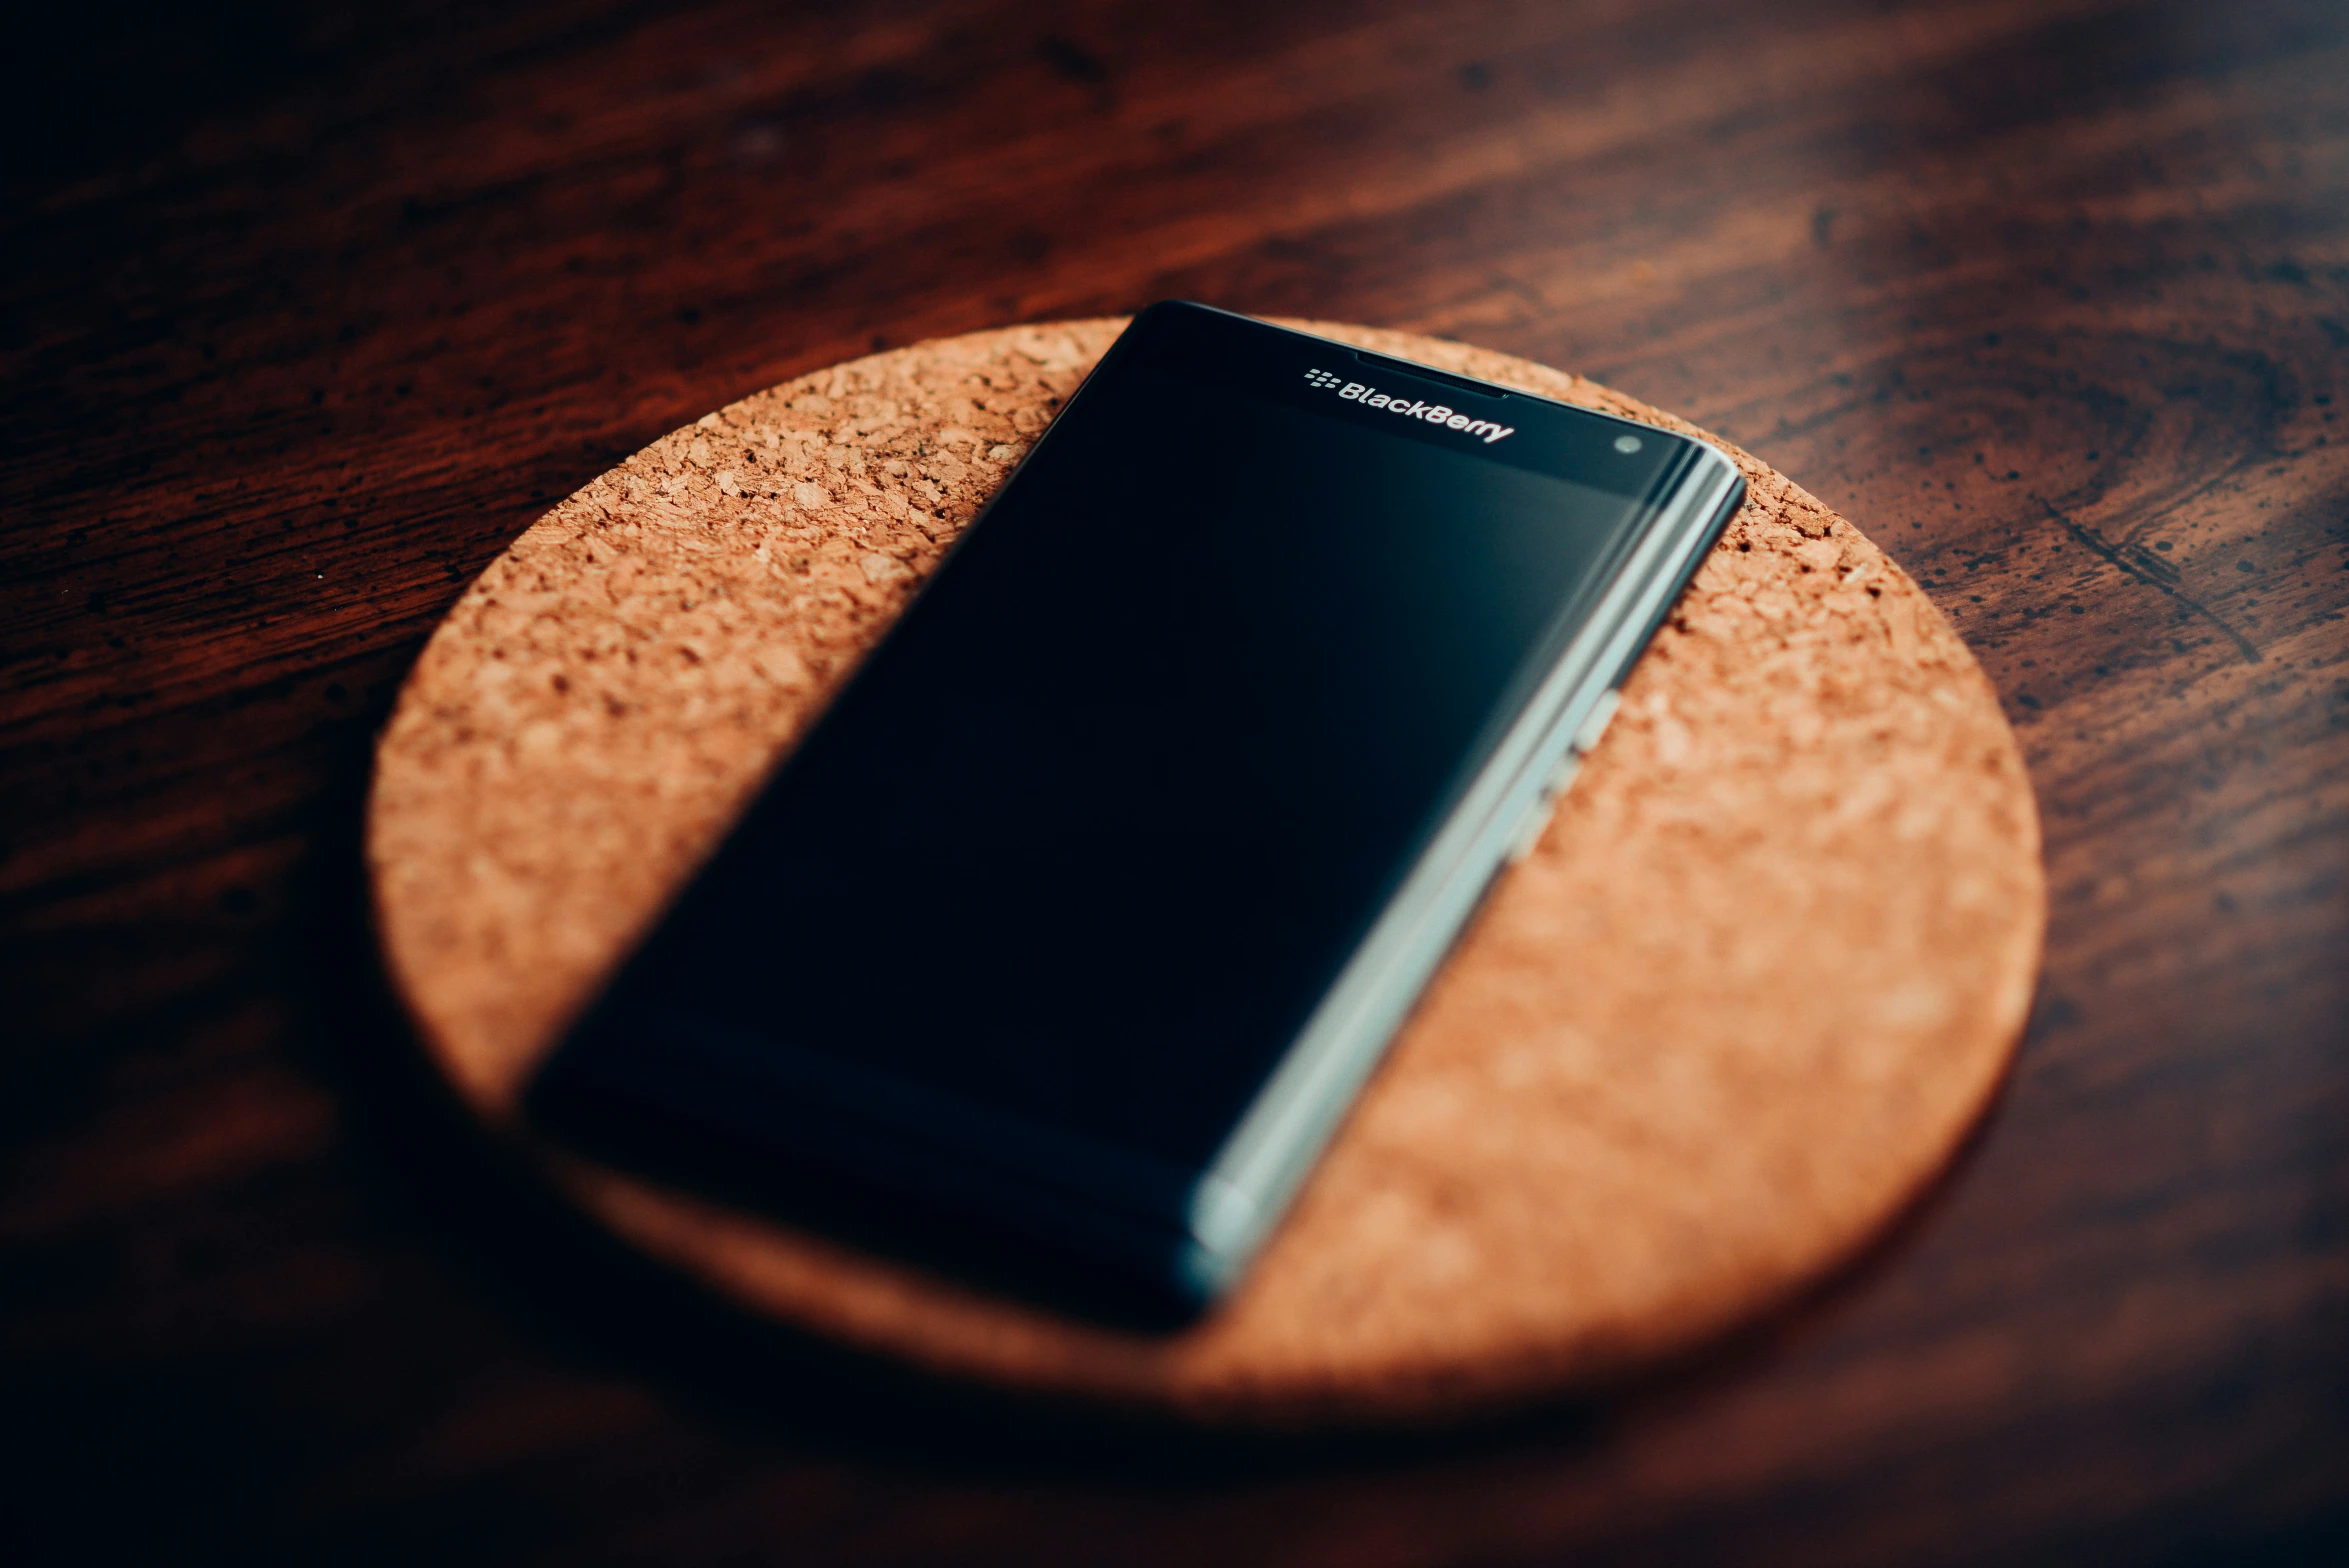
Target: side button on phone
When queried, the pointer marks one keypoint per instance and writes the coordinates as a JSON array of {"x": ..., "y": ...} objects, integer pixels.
[
  {"x": 1595, "y": 723},
  {"x": 1529, "y": 832},
  {"x": 1537, "y": 816}
]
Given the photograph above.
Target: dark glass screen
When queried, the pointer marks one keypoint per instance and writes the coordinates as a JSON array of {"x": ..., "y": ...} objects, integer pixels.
[{"x": 1093, "y": 830}]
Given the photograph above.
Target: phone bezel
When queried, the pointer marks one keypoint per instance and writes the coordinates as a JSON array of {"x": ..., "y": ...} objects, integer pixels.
[{"x": 1249, "y": 1184}]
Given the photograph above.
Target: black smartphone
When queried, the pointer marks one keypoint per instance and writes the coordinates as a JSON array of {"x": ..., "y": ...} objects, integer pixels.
[{"x": 1076, "y": 921}]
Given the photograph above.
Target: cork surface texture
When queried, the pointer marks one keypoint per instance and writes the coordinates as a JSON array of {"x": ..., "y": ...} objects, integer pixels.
[{"x": 1762, "y": 971}]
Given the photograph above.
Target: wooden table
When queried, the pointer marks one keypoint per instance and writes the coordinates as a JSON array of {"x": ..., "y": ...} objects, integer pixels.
[{"x": 303, "y": 317}]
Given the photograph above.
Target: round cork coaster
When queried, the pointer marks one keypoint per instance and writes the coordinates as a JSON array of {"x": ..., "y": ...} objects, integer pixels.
[{"x": 1744, "y": 998}]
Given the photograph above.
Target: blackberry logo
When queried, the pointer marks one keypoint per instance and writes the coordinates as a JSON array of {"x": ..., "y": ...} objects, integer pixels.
[{"x": 1410, "y": 408}]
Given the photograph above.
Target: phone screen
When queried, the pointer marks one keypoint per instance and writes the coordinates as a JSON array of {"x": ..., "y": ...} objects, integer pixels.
[{"x": 1064, "y": 869}]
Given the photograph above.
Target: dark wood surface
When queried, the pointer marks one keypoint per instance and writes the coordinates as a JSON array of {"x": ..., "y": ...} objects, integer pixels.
[{"x": 303, "y": 316}]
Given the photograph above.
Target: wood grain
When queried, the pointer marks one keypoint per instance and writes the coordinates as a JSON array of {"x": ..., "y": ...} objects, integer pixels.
[{"x": 305, "y": 315}]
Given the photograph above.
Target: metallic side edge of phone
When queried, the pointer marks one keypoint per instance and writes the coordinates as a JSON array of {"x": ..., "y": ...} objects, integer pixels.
[{"x": 1260, "y": 1167}]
